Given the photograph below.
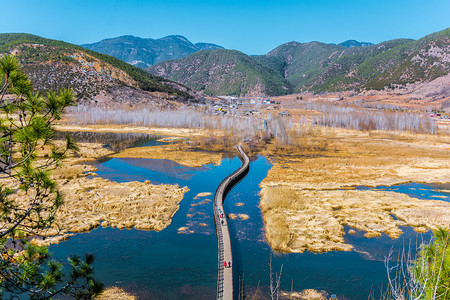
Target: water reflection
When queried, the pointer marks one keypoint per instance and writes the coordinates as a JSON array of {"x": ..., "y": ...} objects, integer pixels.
[
  {"x": 157, "y": 171},
  {"x": 115, "y": 141}
]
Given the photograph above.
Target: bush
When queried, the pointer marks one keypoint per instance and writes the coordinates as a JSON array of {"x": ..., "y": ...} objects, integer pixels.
[{"x": 425, "y": 275}]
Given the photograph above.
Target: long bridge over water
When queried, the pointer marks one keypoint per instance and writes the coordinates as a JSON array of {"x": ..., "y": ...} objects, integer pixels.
[{"x": 225, "y": 287}]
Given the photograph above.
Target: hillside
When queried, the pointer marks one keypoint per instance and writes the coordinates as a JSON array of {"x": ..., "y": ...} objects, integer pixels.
[
  {"x": 353, "y": 65},
  {"x": 349, "y": 60},
  {"x": 401, "y": 62},
  {"x": 224, "y": 72},
  {"x": 53, "y": 64},
  {"x": 144, "y": 53},
  {"x": 301, "y": 63},
  {"x": 427, "y": 59}
]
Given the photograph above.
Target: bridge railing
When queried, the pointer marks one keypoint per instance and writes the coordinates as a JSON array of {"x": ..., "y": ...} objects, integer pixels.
[
  {"x": 221, "y": 258},
  {"x": 219, "y": 196}
]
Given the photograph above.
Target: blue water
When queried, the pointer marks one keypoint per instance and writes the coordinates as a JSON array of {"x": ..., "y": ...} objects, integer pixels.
[
  {"x": 115, "y": 140},
  {"x": 153, "y": 142},
  {"x": 416, "y": 190},
  {"x": 169, "y": 265}
]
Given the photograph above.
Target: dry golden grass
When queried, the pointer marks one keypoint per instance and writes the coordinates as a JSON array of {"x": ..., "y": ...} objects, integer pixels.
[
  {"x": 277, "y": 197},
  {"x": 172, "y": 152},
  {"x": 115, "y": 293},
  {"x": 88, "y": 152},
  {"x": 185, "y": 230},
  {"x": 89, "y": 203},
  {"x": 314, "y": 220},
  {"x": 232, "y": 216},
  {"x": 202, "y": 194},
  {"x": 308, "y": 294},
  {"x": 304, "y": 210},
  {"x": 243, "y": 217},
  {"x": 178, "y": 151},
  {"x": 216, "y": 141},
  {"x": 352, "y": 158},
  {"x": 173, "y": 132},
  {"x": 301, "y": 204},
  {"x": 294, "y": 225},
  {"x": 205, "y": 201},
  {"x": 72, "y": 171}
]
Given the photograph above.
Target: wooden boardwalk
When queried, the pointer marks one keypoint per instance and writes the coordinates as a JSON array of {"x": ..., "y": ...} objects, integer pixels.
[{"x": 225, "y": 275}]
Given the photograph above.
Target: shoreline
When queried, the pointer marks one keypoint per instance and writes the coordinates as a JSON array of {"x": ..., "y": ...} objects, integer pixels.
[
  {"x": 315, "y": 220},
  {"x": 90, "y": 203}
]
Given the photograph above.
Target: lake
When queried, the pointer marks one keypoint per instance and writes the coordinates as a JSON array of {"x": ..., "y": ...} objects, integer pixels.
[{"x": 170, "y": 265}]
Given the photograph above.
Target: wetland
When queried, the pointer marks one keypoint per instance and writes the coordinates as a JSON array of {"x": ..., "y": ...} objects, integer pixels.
[{"x": 336, "y": 246}]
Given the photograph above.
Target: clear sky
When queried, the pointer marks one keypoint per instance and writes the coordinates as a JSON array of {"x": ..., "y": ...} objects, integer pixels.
[{"x": 251, "y": 26}]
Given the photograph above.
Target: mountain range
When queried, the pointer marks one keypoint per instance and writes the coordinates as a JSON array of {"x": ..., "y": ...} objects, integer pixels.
[
  {"x": 210, "y": 69},
  {"x": 144, "y": 53},
  {"x": 93, "y": 76},
  {"x": 314, "y": 66}
]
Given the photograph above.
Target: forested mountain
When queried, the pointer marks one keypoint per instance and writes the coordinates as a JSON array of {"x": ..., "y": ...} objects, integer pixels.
[
  {"x": 224, "y": 72},
  {"x": 53, "y": 64},
  {"x": 301, "y": 63},
  {"x": 144, "y": 53},
  {"x": 343, "y": 62},
  {"x": 395, "y": 62},
  {"x": 314, "y": 66},
  {"x": 423, "y": 60}
]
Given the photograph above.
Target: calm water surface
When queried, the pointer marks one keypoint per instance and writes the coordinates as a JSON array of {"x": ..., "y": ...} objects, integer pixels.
[{"x": 170, "y": 265}]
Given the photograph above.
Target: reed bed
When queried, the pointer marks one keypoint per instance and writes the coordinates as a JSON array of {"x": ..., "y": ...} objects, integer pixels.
[
  {"x": 285, "y": 132},
  {"x": 354, "y": 117}
]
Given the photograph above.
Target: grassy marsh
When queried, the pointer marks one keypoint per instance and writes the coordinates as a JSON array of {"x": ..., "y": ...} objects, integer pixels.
[{"x": 307, "y": 197}]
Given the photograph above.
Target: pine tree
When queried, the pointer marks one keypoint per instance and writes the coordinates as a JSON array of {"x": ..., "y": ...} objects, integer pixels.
[{"x": 29, "y": 197}]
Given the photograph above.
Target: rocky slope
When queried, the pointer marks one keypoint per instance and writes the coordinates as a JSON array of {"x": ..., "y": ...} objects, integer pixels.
[
  {"x": 144, "y": 53},
  {"x": 223, "y": 72},
  {"x": 349, "y": 60},
  {"x": 423, "y": 60},
  {"x": 54, "y": 64},
  {"x": 322, "y": 67}
]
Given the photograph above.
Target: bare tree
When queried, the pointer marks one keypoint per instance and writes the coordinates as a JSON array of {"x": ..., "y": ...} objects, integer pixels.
[
  {"x": 424, "y": 275},
  {"x": 275, "y": 281}
]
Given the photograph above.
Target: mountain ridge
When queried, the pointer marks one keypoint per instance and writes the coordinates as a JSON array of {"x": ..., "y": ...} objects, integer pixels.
[{"x": 145, "y": 52}]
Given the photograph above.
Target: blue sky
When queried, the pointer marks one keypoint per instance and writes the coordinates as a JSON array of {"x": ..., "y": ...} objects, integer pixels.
[{"x": 253, "y": 27}]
